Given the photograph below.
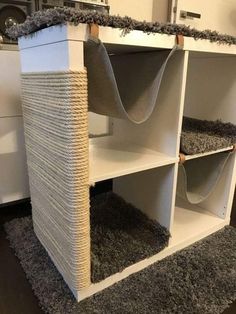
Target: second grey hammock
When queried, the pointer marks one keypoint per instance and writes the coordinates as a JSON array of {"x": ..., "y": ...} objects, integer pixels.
[{"x": 198, "y": 177}]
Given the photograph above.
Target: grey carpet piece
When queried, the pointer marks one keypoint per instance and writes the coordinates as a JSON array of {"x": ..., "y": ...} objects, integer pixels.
[
  {"x": 196, "y": 143},
  {"x": 200, "y": 279},
  {"x": 198, "y": 177},
  {"x": 199, "y": 136},
  {"x": 40, "y": 20},
  {"x": 121, "y": 235},
  {"x": 124, "y": 86}
]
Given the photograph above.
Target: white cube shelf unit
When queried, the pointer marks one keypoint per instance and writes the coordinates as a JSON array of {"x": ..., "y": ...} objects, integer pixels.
[{"x": 143, "y": 159}]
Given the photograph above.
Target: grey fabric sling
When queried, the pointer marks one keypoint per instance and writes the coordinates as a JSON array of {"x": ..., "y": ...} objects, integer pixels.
[
  {"x": 124, "y": 86},
  {"x": 198, "y": 177}
]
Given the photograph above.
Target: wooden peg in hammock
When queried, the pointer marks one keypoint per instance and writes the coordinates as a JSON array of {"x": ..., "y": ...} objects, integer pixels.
[
  {"x": 94, "y": 30},
  {"x": 182, "y": 158},
  {"x": 180, "y": 41},
  {"x": 234, "y": 148}
]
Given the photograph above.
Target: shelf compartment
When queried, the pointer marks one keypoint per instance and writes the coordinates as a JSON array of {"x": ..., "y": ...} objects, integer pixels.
[
  {"x": 121, "y": 235},
  {"x": 197, "y": 178},
  {"x": 133, "y": 226},
  {"x": 218, "y": 199},
  {"x": 152, "y": 191},
  {"x": 210, "y": 92},
  {"x": 124, "y": 85},
  {"x": 191, "y": 224},
  {"x": 110, "y": 158}
]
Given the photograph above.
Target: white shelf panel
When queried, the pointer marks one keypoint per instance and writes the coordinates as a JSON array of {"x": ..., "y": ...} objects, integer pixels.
[
  {"x": 60, "y": 47},
  {"x": 114, "y": 36},
  {"x": 189, "y": 157},
  {"x": 110, "y": 159},
  {"x": 108, "y": 35},
  {"x": 193, "y": 224},
  {"x": 205, "y": 45}
]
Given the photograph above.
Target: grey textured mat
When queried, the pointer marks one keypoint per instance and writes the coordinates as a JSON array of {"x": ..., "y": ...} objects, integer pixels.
[
  {"x": 124, "y": 86},
  {"x": 198, "y": 177},
  {"x": 121, "y": 235},
  {"x": 50, "y": 17},
  {"x": 200, "y": 279},
  {"x": 199, "y": 136}
]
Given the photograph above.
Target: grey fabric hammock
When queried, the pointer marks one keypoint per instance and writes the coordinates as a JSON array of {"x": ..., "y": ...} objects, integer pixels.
[
  {"x": 124, "y": 86},
  {"x": 198, "y": 177}
]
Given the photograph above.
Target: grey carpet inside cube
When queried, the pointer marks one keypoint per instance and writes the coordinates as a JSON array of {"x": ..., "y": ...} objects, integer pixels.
[
  {"x": 200, "y": 136},
  {"x": 121, "y": 235},
  {"x": 199, "y": 279}
]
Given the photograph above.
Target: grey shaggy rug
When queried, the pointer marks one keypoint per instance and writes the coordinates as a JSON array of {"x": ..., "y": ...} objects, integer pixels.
[
  {"x": 121, "y": 235},
  {"x": 199, "y": 279},
  {"x": 47, "y": 18},
  {"x": 199, "y": 136}
]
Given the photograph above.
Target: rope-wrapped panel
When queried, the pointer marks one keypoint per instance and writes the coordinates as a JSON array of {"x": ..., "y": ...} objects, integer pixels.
[{"x": 55, "y": 109}]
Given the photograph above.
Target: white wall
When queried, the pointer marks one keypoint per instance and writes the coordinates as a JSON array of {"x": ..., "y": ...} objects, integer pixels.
[
  {"x": 149, "y": 10},
  {"x": 217, "y": 15},
  {"x": 140, "y": 10},
  {"x": 160, "y": 10}
]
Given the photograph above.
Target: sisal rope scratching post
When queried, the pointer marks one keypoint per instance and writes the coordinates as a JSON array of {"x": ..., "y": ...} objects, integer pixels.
[{"x": 55, "y": 109}]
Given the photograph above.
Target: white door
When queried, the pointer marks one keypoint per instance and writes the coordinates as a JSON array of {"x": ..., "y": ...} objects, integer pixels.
[{"x": 219, "y": 15}]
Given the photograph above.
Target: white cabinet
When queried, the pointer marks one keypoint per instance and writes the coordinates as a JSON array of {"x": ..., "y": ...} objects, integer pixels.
[
  {"x": 13, "y": 169},
  {"x": 10, "y": 103},
  {"x": 216, "y": 15}
]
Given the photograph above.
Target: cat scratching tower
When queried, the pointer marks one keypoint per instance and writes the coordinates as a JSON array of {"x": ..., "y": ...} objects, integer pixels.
[{"x": 196, "y": 78}]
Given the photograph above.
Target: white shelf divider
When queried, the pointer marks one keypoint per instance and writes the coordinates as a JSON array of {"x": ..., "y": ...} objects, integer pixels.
[
  {"x": 111, "y": 159},
  {"x": 226, "y": 149}
]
